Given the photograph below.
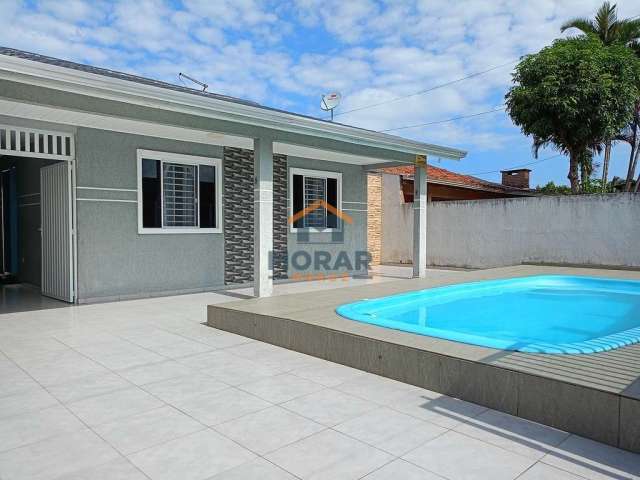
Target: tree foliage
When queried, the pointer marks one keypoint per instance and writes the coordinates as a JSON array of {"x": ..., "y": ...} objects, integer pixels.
[{"x": 573, "y": 95}]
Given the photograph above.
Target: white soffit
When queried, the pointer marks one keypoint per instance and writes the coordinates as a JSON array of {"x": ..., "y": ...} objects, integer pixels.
[
  {"x": 117, "y": 124},
  {"x": 328, "y": 155},
  {"x": 137, "y": 127}
]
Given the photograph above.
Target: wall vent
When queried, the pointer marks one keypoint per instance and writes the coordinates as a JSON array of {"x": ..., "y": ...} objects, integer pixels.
[{"x": 28, "y": 142}]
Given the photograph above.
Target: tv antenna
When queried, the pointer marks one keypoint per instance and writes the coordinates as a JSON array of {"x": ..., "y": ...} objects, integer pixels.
[
  {"x": 330, "y": 101},
  {"x": 202, "y": 84}
]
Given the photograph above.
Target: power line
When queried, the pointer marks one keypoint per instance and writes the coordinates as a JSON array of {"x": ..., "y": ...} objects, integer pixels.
[
  {"x": 443, "y": 121},
  {"x": 435, "y": 87},
  {"x": 517, "y": 166}
]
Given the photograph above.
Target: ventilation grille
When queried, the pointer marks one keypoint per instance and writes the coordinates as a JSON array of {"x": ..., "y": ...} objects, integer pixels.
[{"x": 27, "y": 142}]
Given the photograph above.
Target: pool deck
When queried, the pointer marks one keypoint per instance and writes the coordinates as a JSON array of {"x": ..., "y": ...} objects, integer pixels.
[{"x": 593, "y": 395}]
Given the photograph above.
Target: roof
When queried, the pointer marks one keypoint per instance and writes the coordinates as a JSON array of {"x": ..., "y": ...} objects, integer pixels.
[
  {"x": 447, "y": 177},
  {"x": 74, "y": 77}
]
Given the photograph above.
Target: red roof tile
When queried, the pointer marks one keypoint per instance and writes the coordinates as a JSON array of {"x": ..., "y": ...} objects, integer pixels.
[{"x": 441, "y": 175}]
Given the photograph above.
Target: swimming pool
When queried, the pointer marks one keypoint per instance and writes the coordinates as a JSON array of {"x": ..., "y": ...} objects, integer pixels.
[{"x": 539, "y": 314}]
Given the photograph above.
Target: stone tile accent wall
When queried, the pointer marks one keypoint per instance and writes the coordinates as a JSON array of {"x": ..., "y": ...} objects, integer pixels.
[
  {"x": 374, "y": 217},
  {"x": 238, "y": 216}
]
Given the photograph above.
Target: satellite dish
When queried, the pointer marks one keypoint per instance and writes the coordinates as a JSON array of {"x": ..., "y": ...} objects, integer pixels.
[{"x": 330, "y": 101}]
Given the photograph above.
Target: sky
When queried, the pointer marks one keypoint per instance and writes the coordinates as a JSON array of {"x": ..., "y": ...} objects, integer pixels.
[{"x": 286, "y": 54}]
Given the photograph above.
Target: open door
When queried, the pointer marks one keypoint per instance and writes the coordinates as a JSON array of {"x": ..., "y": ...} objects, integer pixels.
[{"x": 56, "y": 224}]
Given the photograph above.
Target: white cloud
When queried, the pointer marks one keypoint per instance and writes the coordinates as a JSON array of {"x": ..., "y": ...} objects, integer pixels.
[{"x": 375, "y": 51}]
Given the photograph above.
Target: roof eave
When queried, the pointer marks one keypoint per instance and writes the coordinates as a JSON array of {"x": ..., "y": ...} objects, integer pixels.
[{"x": 75, "y": 81}]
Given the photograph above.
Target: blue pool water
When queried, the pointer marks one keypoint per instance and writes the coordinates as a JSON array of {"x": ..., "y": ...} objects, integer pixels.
[{"x": 541, "y": 314}]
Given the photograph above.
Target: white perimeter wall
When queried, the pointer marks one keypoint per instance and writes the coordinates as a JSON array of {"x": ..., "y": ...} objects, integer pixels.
[{"x": 589, "y": 230}]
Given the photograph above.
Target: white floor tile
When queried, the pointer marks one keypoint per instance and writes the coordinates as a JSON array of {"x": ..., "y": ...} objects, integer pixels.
[
  {"x": 155, "y": 372},
  {"x": 269, "y": 429},
  {"x": 542, "y": 471},
  {"x": 391, "y": 431},
  {"x": 222, "y": 406},
  {"x": 120, "y": 469},
  {"x": 281, "y": 388},
  {"x": 88, "y": 386},
  {"x": 401, "y": 470},
  {"x": 328, "y": 374},
  {"x": 178, "y": 389},
  {"x": 593, "y": 460},
  {"x": 458, "y": 457},
  {"x": 258, "y": 469},
  {"x": 27, "y": 401},
  {"x": 32, "y": 427},
  {"x": 376, "y": 389},
  {"x": 513, "y": 433},
  {"x": 198, "y": 456},
  {"x": 138, "y": 432},
  {"x": 329, "y": 407},
  {"x": 56, "y": 456},
  {"x": 445, "y": 411},
  {"x": 114, "y": 405},
  {"x": 329, "y": 455}
]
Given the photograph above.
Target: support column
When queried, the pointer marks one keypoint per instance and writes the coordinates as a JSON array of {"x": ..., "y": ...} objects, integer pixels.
[
  {"x": 420, "y": 218},
  {"x": 263, "y": 217}
]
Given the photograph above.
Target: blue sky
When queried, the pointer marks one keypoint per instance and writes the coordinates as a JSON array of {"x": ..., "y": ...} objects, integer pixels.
[{"x": 287, "y": 53}]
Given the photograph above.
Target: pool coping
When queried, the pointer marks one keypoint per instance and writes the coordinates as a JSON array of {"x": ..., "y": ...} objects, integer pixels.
[{"x": 593, "y": 395}]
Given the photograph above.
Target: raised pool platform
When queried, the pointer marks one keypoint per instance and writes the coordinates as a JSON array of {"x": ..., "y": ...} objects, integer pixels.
[{"x": 593, "y": 395}]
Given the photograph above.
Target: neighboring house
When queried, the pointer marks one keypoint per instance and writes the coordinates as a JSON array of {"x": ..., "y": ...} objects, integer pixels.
[
  {"x": 390, "y": 191},
  {"x": 117, "y": 186}
]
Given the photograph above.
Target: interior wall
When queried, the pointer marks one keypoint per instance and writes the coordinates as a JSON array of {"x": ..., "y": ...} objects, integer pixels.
[{"x": 28, "y": 196}]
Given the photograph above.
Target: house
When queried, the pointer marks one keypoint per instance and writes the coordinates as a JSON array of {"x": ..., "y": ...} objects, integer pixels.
[
  {"x": 116, "y": 186},
  {"x": 390, "y": 192}
]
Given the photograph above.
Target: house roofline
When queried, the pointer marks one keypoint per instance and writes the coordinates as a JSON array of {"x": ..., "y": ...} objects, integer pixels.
[{"x": 101, "y": 85}]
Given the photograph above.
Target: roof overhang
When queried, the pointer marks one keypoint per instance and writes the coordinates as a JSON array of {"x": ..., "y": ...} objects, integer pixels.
[{"x": 84, "y": 83}]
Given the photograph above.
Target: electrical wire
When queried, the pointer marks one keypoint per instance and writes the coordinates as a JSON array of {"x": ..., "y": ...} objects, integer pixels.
[
  {"x": 443, "y": 121},
  {"x": 422, "y": 92},
  {"x": 516, "y": 166}
]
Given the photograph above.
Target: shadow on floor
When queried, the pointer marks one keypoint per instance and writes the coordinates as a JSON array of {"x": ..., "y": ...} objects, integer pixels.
[{"x": 20, "y": 297}]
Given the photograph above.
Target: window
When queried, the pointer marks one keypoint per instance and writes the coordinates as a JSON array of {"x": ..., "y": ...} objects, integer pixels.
[
  {"x": 178, "y": 193},
  {"x": 313, "y": 190}
]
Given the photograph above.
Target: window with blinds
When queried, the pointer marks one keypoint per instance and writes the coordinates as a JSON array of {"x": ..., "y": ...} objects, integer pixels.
[{"x": 178, "y": 197}]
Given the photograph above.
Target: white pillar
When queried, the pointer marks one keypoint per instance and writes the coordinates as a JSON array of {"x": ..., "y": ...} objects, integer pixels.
[
  {"x": 263, "y": 217},
  {"x": 420, "y": 219}
]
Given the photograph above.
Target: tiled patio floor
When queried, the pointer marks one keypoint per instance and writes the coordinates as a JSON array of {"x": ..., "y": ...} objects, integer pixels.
[{"x": 140, "y": 389}]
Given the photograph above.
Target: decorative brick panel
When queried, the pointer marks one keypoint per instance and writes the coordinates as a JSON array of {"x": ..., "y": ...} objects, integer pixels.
[
  {"x": 238, "y": 216},
  {"x": 374, "y": 217}
]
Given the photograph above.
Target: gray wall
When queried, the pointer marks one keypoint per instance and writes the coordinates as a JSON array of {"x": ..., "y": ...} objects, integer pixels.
[
  {"x": 113, "y": 259},
  {"x": 354, "y": 198},
  {"x": 397, "y": 223},
  {"x": 587, "y": 229}
]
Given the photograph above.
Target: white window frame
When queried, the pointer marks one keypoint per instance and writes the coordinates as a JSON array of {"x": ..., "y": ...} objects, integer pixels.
[
  {"x": 315, "y": 174},
  {"x": 185, "y": 160}
]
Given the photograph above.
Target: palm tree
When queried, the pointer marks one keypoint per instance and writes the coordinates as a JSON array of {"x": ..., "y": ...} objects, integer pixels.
[{"x": 610, "y": 30}]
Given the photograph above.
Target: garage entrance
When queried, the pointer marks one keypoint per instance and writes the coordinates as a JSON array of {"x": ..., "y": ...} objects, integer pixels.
[{"x": 36, "y": 219}]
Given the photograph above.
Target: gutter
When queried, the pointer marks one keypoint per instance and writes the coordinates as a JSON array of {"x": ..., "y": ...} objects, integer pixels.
[{"x": 101, "y": 86}]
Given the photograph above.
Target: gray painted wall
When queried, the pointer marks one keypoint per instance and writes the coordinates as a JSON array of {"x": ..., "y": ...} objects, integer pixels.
[
  {"x": 587, "y": 229},
  {"x": 397, "y": 223},
  {"x": 113, "y": 259},
  {"x": 354, "y": 198}
]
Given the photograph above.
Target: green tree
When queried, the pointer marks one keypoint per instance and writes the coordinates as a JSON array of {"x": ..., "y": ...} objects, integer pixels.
[
  {"x": 573, "y": 95},
  {"x": 610, "y": 30}
]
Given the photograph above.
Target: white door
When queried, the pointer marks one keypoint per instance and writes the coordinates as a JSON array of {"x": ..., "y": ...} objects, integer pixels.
[{"x": 56, "y": 223}]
